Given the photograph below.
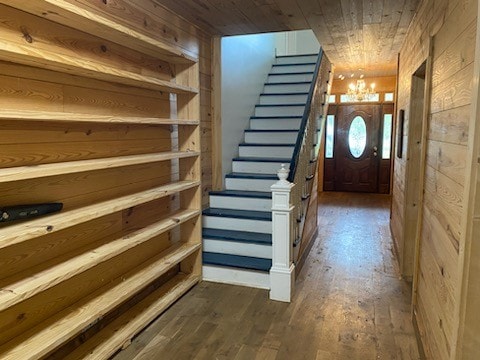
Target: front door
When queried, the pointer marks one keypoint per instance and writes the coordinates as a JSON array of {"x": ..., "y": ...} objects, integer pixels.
[{"x": 357, "y": 162}]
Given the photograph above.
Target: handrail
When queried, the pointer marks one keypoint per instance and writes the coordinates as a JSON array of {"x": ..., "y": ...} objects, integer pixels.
[{"x": 303, "y": 124}]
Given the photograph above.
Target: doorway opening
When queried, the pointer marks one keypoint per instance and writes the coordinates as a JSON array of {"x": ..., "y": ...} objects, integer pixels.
[{"x": 414, "y": 169}]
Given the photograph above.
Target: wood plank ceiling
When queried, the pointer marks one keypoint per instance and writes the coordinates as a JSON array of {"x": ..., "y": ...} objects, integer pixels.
[{"x": 355, "y": 34}]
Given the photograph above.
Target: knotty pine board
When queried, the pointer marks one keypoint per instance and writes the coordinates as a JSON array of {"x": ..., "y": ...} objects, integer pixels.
[
  {"x": 28, "y": 88},
  {"x": 452, "y": 24},
  {"x": 450, "y": 126},
  {"x": 19, "y": 318}
]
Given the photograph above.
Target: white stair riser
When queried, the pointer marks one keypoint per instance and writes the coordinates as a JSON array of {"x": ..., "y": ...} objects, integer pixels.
[
  {"x": 292, "y": 69},
  {"x": 266, "y": 151},
  {"x": 282, "y": 99},
  {"x": 279, "y": 111},
  {"x": 296, "y": 59},
  {"x": 277, "y": 124},
  {"x": 235, "y": 224},
  {"x": 248, "y": 184},
  {"x": 289, "y": 78},
  {"x": 256, "y": 167},
  {"x": 271, "y": 137},
  {"x": 285, "y": 89},
  {"x": 240, "y": 203},
  {"x": 256, "y": 279},
  {"x": 237, "y": 248}
]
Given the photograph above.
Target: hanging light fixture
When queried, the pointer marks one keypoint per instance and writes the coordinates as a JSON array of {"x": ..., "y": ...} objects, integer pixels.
[{"x": 360, "y": 91}]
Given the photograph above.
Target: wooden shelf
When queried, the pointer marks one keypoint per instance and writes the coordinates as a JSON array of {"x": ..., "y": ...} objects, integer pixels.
[
  {"x": 137, "y": 57},
  {"x": 44, "y": 338},
  {"x": 27, "y": 230},
  {"x": 125, "y": 327},
  {"x": 68, "y": 64},
  {"x": 94, "y": 23},
  {"x": 30, "y": 286},
  {"x": 27, "y": 115},
  {"x": 71, "y": 167}
]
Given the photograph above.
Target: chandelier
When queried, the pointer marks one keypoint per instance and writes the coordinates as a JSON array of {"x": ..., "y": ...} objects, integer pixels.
[{"x": 360, "y": 91}]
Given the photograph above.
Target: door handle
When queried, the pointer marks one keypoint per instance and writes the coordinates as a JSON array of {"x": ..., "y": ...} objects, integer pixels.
[
  {"x": 375, "y": 153},
  {"x": 375, "y": 148}
]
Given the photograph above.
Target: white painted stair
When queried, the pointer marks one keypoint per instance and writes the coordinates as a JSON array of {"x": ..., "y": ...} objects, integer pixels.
[{"x": 237, "y": 228}]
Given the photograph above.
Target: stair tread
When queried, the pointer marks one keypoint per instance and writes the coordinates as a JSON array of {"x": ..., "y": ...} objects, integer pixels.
[
  {"x": 243, "y": 193},
  {"x": 296, "y": 64},
  {"x": 238, "y": 175},
  {"x": 289, "y": 83},
  {"x": 240, "y": 236},
  {"x": 240, "y": 214},
  {"x": 276, "y": 117},
  {"x": 237, "y": 261},
  {"x": 259, "y": 159},
  {"x": 282, "y": 94},
  {"x": 295, "y": 73},
  {"x": 280, "y": 105},
  {"x": 271, "y": 130},
  {"x": 296, "y": 55},
  {"x": 257, "y": 144}
]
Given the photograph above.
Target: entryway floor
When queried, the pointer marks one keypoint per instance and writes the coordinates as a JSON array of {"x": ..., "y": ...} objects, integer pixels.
[{"x": 349, "y": 303}]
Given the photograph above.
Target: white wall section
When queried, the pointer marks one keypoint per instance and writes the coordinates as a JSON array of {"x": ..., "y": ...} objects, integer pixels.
[{"x": 246, "y": 61}]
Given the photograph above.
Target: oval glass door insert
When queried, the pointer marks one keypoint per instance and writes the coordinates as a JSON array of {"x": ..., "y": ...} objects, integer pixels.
[{"x": 357, "y": 137}]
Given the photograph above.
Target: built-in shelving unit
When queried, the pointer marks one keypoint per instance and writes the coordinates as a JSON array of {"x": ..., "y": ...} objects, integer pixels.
[{"x": 127, "y": 244}]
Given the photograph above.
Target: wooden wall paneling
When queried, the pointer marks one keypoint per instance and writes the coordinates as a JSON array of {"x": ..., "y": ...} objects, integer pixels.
[
  {"x": 31, "y": 42},
  {"x": 86, "y": 120},
  {"x": 329, "y": 109},
  {"x": 21, "y": 287},
  {"x": 318, "y": 113},
  {"x": 413, "y": 258},
  {"x": 451, "y": 24},
  {"x": 466, "y": 338},
  {"x": 188, "y": 106},
  {"x": 48, "y": 304},
  {"x": 217, "y": 178},
  {"x": 123, "y": 29},
  {"x": 450, "y": 126}
]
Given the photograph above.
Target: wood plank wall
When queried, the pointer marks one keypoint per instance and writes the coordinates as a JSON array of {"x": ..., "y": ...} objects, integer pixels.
[
  {"x": 319, "y": 111},
  {"x": 452, "y": 23},
  {"x": 25, "y": 143}
]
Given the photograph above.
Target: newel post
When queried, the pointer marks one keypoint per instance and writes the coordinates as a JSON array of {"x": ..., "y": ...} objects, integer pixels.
[{"x": 282, "y": 273}]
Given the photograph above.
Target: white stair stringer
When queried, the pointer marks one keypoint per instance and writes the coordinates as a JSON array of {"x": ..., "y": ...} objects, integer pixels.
[
  {"x": 279, "y": 110},
  {"x": 293, "y": 68},
  {"x": 256, "y": 150},
  {"x": 240, "y": 203},
  {"x": 236, "y": 276},
  {"x": 215, "y": 222},
  {"x": 282, "y": 88},
  {"x": 278, "y": 123},
  {"x": 258, "y": 167},
  {"x": 290, "y": 77},
  {"x": 302, "y": 59},
  {"x": 237, "y": 248},
  {"x": 269, "y": 137},
  {"x": 248, "y": 184},
  {"x": 279, "y": 98}
]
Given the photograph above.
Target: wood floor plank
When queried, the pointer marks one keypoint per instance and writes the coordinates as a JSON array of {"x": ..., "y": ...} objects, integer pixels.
[{"x": 349, "y": 302}]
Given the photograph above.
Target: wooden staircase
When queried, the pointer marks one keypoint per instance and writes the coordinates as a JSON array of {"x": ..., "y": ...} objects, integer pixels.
[{"x": 237, "y": 229}]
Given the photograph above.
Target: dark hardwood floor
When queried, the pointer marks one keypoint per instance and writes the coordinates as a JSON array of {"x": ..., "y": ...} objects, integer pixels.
[{"x": 349, "y": 303}]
